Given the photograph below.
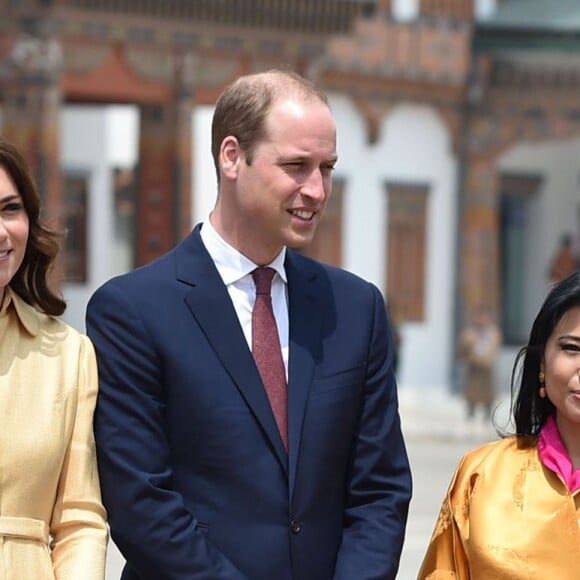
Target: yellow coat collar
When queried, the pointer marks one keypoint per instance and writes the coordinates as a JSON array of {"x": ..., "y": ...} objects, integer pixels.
[{"x": 28, "y": 315}]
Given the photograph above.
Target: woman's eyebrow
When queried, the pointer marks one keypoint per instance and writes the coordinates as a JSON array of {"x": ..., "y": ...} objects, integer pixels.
[
  {"x": 9, "y": 197},
  {"x": 573, "y": 337}
]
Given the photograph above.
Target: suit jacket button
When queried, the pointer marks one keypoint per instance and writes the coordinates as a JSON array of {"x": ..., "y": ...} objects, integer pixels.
[{"x": 295, "y": 527}]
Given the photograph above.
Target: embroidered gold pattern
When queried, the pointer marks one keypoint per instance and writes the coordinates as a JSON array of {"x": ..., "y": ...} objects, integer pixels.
[{"x": 444, "y": 519}]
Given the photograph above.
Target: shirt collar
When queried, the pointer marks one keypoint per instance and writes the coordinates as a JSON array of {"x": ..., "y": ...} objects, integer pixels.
[
  {"x": 231, "y": 264},
  {"x": 26, "y": 314},
  {"x": 554, "y": 455}
]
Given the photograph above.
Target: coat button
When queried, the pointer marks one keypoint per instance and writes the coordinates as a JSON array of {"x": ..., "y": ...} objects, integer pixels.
[{"x": 295, "y": 527}]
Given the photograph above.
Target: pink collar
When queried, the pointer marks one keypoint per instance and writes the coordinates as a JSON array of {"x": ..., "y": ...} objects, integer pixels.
[{"x": 554, "y": 456}]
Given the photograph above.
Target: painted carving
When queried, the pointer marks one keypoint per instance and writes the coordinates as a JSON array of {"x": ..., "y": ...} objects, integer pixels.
[
  {"x": 31, "y": 55},
  {"x": 153, "y": 64},
  {"x": 82, "y": 59},
  {"x": 215, "y": 72}
]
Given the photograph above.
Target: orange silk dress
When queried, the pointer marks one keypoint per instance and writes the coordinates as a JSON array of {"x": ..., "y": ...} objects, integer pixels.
[{"x": 505, "y": 517}]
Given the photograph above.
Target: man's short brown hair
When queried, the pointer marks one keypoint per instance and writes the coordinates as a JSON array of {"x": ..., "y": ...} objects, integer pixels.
[{"x": 242, "y": 108}]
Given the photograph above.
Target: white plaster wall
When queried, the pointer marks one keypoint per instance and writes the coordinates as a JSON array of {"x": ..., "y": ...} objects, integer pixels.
[
  {"x": 204, "y": 180},
  {"x": 417, "y": 147},
  {"x": 413, "y": 147},
  {"x": 553, "y": 211},
  {"x": 364, "y": 203},
  {"x": 405, "y": 10},
  {"x": 94, "y": 139},
  {"x": 484, "y": 9},
  {"x": 122, "y": 135}
]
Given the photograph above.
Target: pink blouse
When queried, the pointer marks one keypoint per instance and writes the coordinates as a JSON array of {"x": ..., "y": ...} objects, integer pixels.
[{"x": 554, "y": 456}]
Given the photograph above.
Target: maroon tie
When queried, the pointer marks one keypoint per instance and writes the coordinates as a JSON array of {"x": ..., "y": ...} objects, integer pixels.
[{"x": 266, "y": 349}]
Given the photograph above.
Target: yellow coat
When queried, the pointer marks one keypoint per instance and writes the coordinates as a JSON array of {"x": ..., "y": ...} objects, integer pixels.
[
  {"x": 52, "y": 522},
  {"x": 505, "y": 517}
]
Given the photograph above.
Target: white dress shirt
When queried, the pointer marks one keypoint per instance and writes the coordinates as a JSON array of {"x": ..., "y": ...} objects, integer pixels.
[{"x": 236, "y": 272}]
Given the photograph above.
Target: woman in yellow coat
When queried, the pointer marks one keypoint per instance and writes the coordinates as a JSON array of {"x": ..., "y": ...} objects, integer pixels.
[
  {"x": 512, "y": 511},
  {"x": 52, "y": 523}
]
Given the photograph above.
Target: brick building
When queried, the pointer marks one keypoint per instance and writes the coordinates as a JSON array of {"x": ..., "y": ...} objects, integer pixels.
[{"x": 459, "y": 139}]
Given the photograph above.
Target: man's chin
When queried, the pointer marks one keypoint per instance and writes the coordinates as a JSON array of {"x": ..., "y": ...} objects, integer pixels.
[
  {"x": 298, "y": 244},
  {"x": 299, "y": 238}
]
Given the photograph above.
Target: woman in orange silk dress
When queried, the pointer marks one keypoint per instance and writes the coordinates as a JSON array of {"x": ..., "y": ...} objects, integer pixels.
[{"x": 512, "y": 510}]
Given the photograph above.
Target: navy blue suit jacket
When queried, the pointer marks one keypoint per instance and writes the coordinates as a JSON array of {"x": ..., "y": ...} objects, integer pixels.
[{"x": 194, "y": 474}]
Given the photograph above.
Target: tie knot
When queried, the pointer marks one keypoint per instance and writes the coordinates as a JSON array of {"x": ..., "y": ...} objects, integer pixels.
[{"x": 263, "y": 279}]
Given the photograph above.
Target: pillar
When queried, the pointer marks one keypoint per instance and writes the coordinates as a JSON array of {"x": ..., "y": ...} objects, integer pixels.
[
  {"x": 479, "y": 263},
  {"x": 32, "y": 101},
  {"x": 164, "y": 184}
]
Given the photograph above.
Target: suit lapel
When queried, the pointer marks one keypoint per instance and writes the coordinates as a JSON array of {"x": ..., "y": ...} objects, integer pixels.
[
  {"x": 305, "y": 318},
  {"x": 209, "y": 302}
]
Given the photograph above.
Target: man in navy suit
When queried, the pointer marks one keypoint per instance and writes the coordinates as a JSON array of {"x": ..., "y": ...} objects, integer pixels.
[{"x": 202, "y": 476}]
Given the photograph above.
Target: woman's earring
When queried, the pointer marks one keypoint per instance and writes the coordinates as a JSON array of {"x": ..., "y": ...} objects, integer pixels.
[{"x": 542, "y": 389}]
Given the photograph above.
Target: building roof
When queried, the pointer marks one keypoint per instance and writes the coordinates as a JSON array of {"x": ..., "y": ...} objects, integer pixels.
[
  {"x": 536, "y": 25},
  {"x": 561, "y": 15}
]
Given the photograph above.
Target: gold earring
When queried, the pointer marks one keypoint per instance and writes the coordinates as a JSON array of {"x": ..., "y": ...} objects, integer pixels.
[{"x": 542, "y": 389}]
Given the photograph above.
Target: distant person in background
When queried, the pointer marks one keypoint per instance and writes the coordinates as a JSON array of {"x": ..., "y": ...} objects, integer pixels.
[
  {"x": 478, "y": 348},
  {"x": 564, "y": 261},
  {"x": 52, "y": 522},
  {"x": 513, "y": 506}
]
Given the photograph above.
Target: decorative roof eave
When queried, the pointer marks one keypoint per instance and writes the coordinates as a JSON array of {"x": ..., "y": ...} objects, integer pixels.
[
  {"x": 375, "y": 95},
  {"x": 386, "y": 57},
  {"x": 373, "y": 85},
  {"x": 551, "y": 15},
  {"x": 314, "y": 17},
  {"x": 183, "y": 35}
]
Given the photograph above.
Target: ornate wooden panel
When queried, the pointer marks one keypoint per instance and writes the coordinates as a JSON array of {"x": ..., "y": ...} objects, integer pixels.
[{"x": 405, "y": 251}]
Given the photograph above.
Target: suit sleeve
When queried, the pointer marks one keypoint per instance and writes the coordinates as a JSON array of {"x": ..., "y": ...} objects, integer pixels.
[
  {"x": 149, "y": 522},
  {"x": 78, "y": 527},
  {"x": 379, "y": 486}
]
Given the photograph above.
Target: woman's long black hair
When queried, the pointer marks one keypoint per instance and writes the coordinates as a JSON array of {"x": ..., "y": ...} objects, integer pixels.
[{"x": 529, "y": 410}]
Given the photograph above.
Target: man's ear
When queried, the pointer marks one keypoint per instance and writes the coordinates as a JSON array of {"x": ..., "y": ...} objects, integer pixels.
[{"x": 231, "y": 155}]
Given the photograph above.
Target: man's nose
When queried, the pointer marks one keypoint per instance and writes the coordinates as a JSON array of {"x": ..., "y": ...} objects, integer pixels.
[{"x": 314, "y": 186}]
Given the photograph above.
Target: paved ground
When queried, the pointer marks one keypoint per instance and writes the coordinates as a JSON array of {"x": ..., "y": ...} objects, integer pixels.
[{"x": 437, "y": 435}]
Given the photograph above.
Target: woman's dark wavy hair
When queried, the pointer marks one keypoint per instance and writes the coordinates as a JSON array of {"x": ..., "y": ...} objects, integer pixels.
[
  {"x": 31, "y": 280},
  {"x": 529, "y": 410}
]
